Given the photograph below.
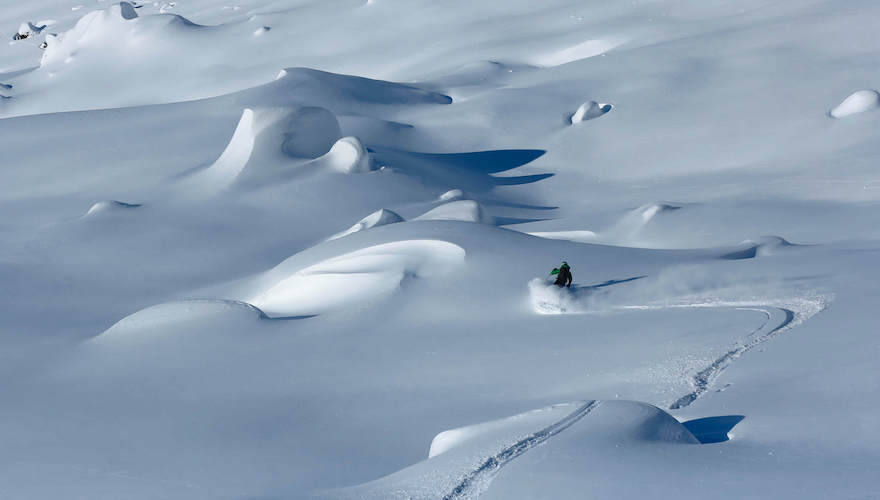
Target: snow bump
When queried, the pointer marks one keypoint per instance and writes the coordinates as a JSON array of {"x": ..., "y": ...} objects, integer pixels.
[
  {"x": 109, "y": 206},
  {"x": 356, "y": 279},
  {"x": 461, "y": 210},
  {"x": 348, "y": 155},
  {"x": 857, "y": 102},
  {"x": 590, "y": 110},
  {"x": 380, "y": 217}
]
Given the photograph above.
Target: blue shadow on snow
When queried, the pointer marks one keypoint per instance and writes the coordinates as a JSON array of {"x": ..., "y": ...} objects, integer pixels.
[
  {"x": 610, "y": 283},
  {"x": 713, "y": 429},
  {"x": 470, "y": 171}
]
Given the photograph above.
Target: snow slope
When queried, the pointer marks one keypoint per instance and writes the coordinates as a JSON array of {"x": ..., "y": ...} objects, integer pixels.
[{"x": 189, "y": 313}]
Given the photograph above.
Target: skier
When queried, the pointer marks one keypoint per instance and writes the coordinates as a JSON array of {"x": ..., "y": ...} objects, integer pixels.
[{"x": 563, "y": 275}]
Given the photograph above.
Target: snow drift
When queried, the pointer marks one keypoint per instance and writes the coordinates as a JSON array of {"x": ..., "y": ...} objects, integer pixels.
[
  {"x": 461, "y": 210},
  {"x": 857, "y": 102},
  {"x": 464, "y": 462},
  {"x": 589, "y": 110},
  {"x": 96, "y": 31},
  {"x": 451, "y": 195},
  {"x": 348, "y": 155},
  {"x": 170, "y": 319},
  {"x": 109, "y": 206},
  {"x": 355, "y": 279},
  {"x": 268, "y": 138},
  {"x": 344, "y": 90},
  {"x": 380, "y": 217}
]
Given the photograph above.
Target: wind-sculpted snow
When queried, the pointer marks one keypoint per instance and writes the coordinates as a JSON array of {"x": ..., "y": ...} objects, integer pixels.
[
  {"x": 159, "y": 322},
  {"x": 137, "y": 48},
  {"x": 470, "y": 171},
  {"x": 348, "y": 156},
  {"x": 264, "y": 250},
  {"x": 267, "y": 140},
  {"x": 322, "y": 86},
  {"x": 627, "y": 230},
  {"x": 109, "y": 206},
  {"x": 380, "y": 217},
  {"x": 451, "y": 195},
  {"x": 463, "y": 462},
  {"x": 589, "y": 110},
  {"x": 356, "y": 279},
  {"x": 857, "y": 102},
  {"x": 461, "y": 210}
]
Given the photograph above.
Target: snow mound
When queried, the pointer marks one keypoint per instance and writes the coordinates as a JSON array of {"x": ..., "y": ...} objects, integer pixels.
[
  {"x": 380, "y": 217},
  {"x": 627, "y": 229},
  {"x": 348, "y": 155},
  {"x": 502, "y": 431},
  {"x": 774, "y": 242},
  {"x": 767, "y": 245},
  {"x": 109, "y": 206},
  {"x": 461, "y": 210},
  {"x": 857, "y": 102},
  {"x": 590, "y": 110},
  {"x": 98, "y": 27},
  {"x": 267, "y": 137},
  {"x": 173, "y": 319},
  {"x": 322, "y": 86},
  {"x": 631, "y": 421},
  {"x": 648, "y": 212},
  {"x": 451, "y": 195},
  {"x": 355, "y": 279},
  {"x": 464, "y": 462}
]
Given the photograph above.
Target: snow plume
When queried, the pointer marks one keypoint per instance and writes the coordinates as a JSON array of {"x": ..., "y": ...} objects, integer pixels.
[{"x": 685, "y": 286}]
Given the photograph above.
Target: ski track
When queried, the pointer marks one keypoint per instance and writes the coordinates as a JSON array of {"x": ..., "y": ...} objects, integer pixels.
[
  {"x": 789, "y": 314},
  {"x": 477, "y": 481},
  {"x": 704, "y": 378}
]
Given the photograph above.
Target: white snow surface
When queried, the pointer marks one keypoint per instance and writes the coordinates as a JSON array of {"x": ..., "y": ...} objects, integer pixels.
[
  {"x": 189, "y": 313},
  {"x": 378, "y": 218},
  {"x": 460, "y": 210},
  {"x": 356, "y": 277},
  {"x": 857, "y": 102},
  {"x": 590, "y": 110}
]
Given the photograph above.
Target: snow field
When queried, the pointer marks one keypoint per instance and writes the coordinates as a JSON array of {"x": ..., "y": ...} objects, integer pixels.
[{"x": 216, "y": 327}]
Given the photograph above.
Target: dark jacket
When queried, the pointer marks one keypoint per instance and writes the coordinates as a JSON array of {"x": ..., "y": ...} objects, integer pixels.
[{"x": 564, "y": 277}]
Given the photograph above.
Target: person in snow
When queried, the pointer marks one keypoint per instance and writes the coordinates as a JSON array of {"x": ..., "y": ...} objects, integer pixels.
[{"x": 563, "y": 275}]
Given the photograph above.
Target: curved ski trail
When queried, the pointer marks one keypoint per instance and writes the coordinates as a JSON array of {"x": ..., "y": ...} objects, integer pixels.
[
  {"x": 477, "y": 481},
  {"x": 787, "y": 313}
]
